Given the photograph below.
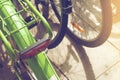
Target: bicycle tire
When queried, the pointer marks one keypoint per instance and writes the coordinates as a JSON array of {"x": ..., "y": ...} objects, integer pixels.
[
  {"x": 106, "y": 25},
  {"x": 63, "y": 19},
  {"x": 106, "y": 22}
]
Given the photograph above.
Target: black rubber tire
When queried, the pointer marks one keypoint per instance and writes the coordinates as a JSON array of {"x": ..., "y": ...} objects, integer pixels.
[
  {"x": 63, "y": 24},
  {"x": 105, "y": 28},
  {"x": 63, "y": 18}
]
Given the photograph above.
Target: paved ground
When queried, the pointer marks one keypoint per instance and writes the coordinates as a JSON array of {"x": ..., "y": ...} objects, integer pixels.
[{"x": 82, "y": 63}]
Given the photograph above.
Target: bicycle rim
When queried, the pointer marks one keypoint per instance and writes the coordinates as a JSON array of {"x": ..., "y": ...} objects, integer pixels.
[{"x": 90, "y": 22}]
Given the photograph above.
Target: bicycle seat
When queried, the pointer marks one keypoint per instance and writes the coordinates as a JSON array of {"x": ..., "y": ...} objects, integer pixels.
[{"x": 34, "y": 49}]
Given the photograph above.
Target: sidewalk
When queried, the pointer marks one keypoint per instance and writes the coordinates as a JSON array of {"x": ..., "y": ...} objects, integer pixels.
[{"x": 82, "y": 63}]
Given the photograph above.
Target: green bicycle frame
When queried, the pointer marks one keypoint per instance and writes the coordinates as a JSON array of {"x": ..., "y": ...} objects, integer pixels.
[{"x": 14, "y": 22}]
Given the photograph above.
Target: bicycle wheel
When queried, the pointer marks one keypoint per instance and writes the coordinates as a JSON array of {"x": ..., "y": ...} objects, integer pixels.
[
  {"x": 63, "y": 21},
  {"x": 90, "y": 22}
]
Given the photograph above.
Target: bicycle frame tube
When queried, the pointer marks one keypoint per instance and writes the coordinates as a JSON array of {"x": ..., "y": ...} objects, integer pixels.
[
  {"x": 7, "y": 45},
  {"x": 40, "y": 64},
  {"x": 36, "y": 12}
]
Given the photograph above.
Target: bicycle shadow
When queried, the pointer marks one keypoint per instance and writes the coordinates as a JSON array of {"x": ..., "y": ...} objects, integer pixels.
[
  {"x": 85, "y": 62},
  {"x": 83, "y": 57}
]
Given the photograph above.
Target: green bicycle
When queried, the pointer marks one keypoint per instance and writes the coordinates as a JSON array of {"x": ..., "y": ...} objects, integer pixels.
[{"x": 24, "y": 50}]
